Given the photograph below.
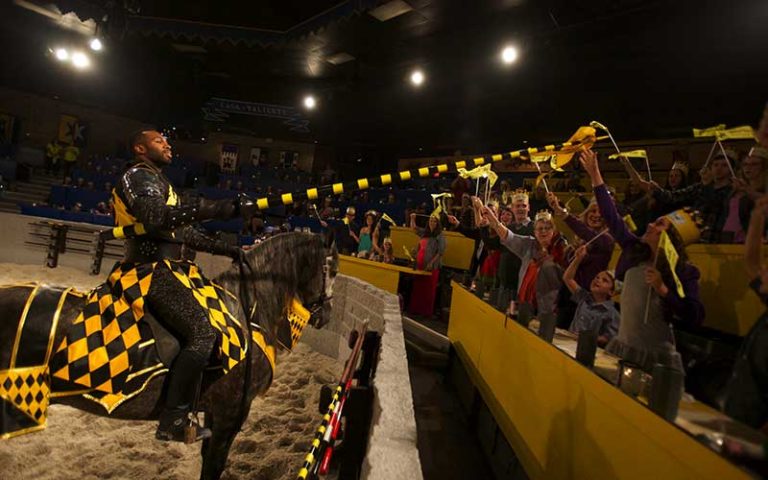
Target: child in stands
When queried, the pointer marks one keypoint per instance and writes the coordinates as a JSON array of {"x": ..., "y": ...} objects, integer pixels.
[{"x": 595, "y": 309}]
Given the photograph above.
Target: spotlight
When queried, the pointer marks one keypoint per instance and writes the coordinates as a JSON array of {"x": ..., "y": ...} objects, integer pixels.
[
  {"x": 509, "y": 55},
  {"x": 309, "y": 102},
  {"x": 80, "y": 60},
  {"x": 417, "y": 77},
  {"x": 96, "y": 45},
  {"x": 61, "y": 54}
]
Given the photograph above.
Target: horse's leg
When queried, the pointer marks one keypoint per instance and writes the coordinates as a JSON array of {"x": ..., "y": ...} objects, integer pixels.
[{"x": 216, "y": 449}]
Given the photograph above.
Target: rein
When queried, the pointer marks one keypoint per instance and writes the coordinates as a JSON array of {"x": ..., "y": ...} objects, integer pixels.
[{"x": 249, "y": 312}]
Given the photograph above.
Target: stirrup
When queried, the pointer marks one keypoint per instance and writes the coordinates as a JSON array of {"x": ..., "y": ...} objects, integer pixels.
[{"x": 186, "y": 429}]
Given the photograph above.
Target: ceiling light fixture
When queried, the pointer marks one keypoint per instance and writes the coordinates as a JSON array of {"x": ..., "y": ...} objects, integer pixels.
[
  {"x": 417, "y": 77},
  {"x": 80, "y": 60},
  {"x": 309, "y": 102},
  {"x": 509, "y": 55},
  {"x": 96, "y": 45},
  {"x": 61, "y": 54}
]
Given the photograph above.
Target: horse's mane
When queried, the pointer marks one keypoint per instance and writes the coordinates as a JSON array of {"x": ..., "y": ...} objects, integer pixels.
[{"x": 280, "y": 265}]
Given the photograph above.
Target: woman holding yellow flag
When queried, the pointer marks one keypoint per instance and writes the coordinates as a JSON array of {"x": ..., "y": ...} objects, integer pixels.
[{"x": 658, "y": 291}]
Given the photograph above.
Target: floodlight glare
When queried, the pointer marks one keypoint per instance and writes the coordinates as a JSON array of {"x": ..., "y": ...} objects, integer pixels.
[
  {"x": 309, "y": 102},
  {"x": 80, "y": 60},
  {"x": 509, "y": 55},
  {"x": 417, "y": 77},
  {"x": 96, "y": 45},
  {"x": 62, "y": 54}
]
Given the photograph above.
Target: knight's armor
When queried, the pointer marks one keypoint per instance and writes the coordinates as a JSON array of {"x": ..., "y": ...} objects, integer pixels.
[{"x": 145, "y": 196}]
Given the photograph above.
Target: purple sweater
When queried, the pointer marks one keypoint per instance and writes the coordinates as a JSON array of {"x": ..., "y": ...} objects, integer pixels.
[
  {"x": 688, "y": 310},
  {"x": 600, "y": 252}
]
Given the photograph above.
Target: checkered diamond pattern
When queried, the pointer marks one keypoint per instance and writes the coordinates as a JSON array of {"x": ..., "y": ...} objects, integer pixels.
[
  {"x": 96, "y": 353},
  {"x": 298, "y": 316},
  {"x": 28, "y": 389}
]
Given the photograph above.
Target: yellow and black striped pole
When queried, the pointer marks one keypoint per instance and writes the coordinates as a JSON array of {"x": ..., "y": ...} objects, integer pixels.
[{"x": 316, "y": 193}]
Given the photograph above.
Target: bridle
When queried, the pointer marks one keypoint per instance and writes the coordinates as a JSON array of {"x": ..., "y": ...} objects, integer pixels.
[{"x": 315, "y": 308}]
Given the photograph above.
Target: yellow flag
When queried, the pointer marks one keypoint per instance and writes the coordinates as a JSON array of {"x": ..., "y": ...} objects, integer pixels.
[
  {"x": 541, "y": 158},
  {"x": 630, "y": 223},
  {"x": 408, "y": 253},
  {"x": 387, "y": 218},
  {"x": 479, "y": 172},
  {"x": 345, "y": 220},
  {"x": 744, "y": 132},
  {"x": 631, "y": 154},
  {"x": 436, "y": 212},
  {"x": 540, "y": 178},
  {"x": 708, "y": 132},
  {"x": 665, "y": 245}
]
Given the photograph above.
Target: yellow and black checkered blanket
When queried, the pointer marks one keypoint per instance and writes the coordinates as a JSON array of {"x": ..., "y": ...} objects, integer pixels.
[{"x": 100, "y": 353}]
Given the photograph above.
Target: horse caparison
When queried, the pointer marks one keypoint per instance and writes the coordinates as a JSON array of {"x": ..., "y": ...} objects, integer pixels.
[{"x": 299, "y": 265}]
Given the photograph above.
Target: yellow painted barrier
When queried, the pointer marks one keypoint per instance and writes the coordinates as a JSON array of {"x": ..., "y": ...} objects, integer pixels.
[
  {"x": 458, "y": 251},
  {"x": 382, "y": 275},
  {"x": 562, "y": 420}
]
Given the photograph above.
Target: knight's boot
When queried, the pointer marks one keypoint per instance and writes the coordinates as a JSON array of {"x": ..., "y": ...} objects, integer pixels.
[{"x": 175, "y": 422}]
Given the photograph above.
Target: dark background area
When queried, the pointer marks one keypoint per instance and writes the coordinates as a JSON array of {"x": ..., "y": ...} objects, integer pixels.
[{"x": 647, "y": 69}]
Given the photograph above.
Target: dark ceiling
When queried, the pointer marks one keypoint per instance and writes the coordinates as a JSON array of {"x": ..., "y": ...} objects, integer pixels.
[{"x": 644, "y": 68}]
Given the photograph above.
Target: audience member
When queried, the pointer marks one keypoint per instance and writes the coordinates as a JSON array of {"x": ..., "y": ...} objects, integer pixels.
[
  {"x": 429, "y": 256},
  {"x": 595, "y": 309},
  {"x": 746, "y": 397},
  {"x": 542, "y": 261},
  {"x": 650, "y": 301},
  {"x": 365, "y": 242},
  {"x": 591, "y": 230}
]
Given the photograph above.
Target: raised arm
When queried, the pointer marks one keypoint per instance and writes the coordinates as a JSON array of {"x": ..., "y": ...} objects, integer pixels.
[
  {"x": 605, "y": 203},
  {"x": 570, "y": 272}
]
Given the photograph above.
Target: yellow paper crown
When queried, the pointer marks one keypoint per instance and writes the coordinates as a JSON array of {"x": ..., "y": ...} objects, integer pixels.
[
  {"x": 543, "y": 215},
  {"x": 682, "y": 166},
  {"x": 684, "y": 223},
  {"x": 520, "y": 195}
]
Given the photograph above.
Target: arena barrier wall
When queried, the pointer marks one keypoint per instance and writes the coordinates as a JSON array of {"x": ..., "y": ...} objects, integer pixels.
[
  {"x": 562, "y": 420},
  {"x": 381, "y": 275},
  {"x": 392, "y": 450}
]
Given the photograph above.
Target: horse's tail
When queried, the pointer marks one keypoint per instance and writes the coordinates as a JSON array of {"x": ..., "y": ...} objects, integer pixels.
[{"x": 31, "y": 319}]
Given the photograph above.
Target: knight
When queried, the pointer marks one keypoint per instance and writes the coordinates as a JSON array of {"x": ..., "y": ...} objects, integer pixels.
[{"x": 145, "y": 198}]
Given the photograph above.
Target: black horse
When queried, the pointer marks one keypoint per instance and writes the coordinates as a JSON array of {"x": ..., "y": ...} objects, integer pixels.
[{"x": 287, "y": 266}]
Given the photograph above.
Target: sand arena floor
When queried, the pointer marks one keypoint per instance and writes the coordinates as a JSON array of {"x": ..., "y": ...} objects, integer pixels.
[{"x": 76, "y": 445}]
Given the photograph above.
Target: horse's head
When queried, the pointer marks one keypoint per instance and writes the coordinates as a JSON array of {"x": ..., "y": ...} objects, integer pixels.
[
  {"x": 320, "y": 305},
  {"x": 294, "y": 274}
]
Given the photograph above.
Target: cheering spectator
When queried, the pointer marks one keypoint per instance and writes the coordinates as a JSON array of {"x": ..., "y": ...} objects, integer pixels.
[
  {"x": 542, "y": 260},
  {"x": 595, "y": 309},
  {"x": 650, "y": 300},
  {"x": 590, "y": 229}
]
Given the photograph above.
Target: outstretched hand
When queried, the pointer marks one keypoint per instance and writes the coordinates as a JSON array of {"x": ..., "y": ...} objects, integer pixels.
[
  {"x": 588, "y": 160},
  {"x": 554, "y": 204}
]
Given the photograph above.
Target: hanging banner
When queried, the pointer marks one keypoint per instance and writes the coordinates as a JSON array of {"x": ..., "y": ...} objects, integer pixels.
[
  {"x": 255, "y": 156},
  {"x": 228, "y": 157},
  {"x": 218, "y": 110},
  {"x": 72, "y": 131}
]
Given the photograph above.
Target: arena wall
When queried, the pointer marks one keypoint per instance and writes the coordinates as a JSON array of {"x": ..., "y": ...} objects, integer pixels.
[{"x": 392, "y": 450}]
